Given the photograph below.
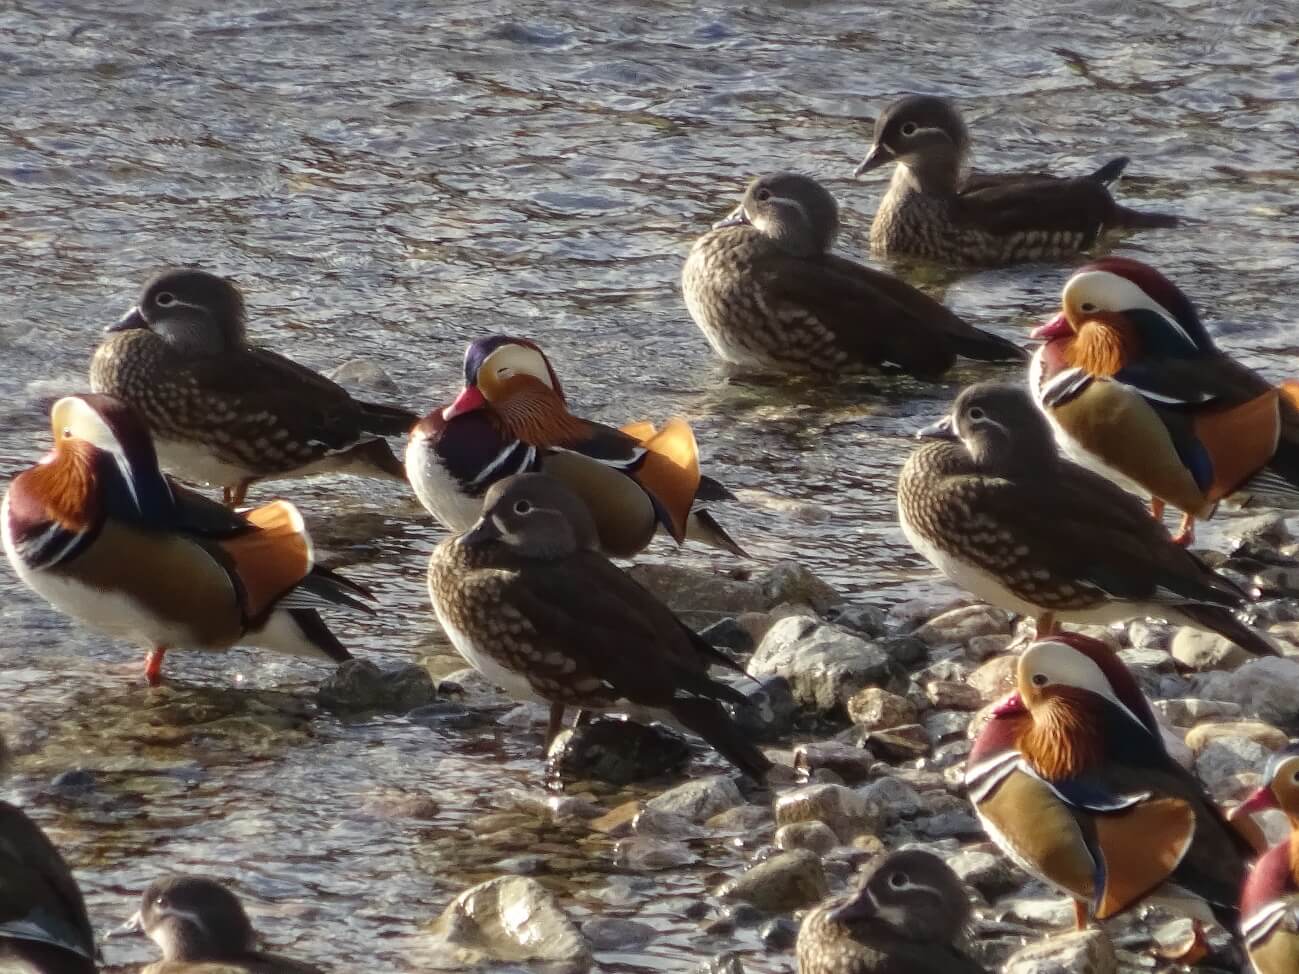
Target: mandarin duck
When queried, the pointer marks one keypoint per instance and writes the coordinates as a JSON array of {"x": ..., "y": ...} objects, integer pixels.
[
  {"x": 1269, "y": 903},
  {"x": 1136, "y": 389},
  {"x": 98, "y": 531},
  {"x": 993, "y": 506},
  {"x": 43, "y": 923},
  {"x": 531, "y": 603},
  {"x": 227, "y": 413},
  {"x": 512, "y": 417},
  {"x": 200, "y": 926},
  {"x": 1071, "y": 779},
  {"x": 904, "y": 918},
  {"x": 935, "y": 209},
  {"x": 768, "y": 294}
]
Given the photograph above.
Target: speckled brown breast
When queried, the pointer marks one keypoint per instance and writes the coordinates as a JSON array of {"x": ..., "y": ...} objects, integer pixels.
[{"x": 824, "y": 947}]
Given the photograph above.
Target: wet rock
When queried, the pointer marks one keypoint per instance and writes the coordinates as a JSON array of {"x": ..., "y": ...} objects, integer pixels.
[
  {"x": 1186, "y": 711},
  {"x": 951, "y": 755},
  {"x": 1219, "y": 761},
  {"x": 995, "y": 678},
  {"x": 612, "y": 933},
  {"x": 849, "y": 762},
  {"x": 771, "y": 710},
  {"x": 904, "y": 650},
  {"x": 1277, "y": 579},
  {"x": 959, "y": 626},
  {"x": 990, "y": 873},
  {"x": 905, "y": 743},
  {"x": 746, "y": 819},
  {"x": 815, "y": 837},
  {"x": 645, "y": 854},
  {"x": 617, "y": 821},
  {"x": 696, "y": 590},
  {"x": 1150, "y": 634},
  {"x": 982, "y": 648},
  {"x": 867, "y": 620},
  {"x": 510, "y": 919},
  {"x": 1200, "y": 650},
  {"x": 788, "y": 582},
  {"x": 1266, "y": 531},
  {"x": 946, "y": 725},
  {"x": 617, "y": 751},
  {"x": 906, "y": 616},
  {"x": 698, "y": 800},
  {"x": 443, "y": 713},
  {"x": 875, "y": 708},
  {"x": 845, "y": 811},
  {"x": 400, "y": 804},
  {"x": 825, "y": 665},
  {"x": 951, "y": 695},
  {"x": 727, "y": 963},
  {"x": 779, "y": 933},
  {"x": 894, "y": 798},
  {"x": 359, "y": 685},
  {"x": 786, "y": 882},
  {"x": 1265, "y": 735},
  {"x": 1083, "y": 952},
  {"x": 1266, "y": 688},
  {"x": 73, "y": 783},
  {"x": 728, "y": 633},
  {"x": 364, "y": 373}
]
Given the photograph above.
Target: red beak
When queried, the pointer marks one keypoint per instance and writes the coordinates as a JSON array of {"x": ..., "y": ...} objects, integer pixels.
[
  {"x": 1014, "y": 704},
  {"x": 1057, "y": 327},
  {"x": 468, "y": 400},
  {"x": 1261, "y": 799}
]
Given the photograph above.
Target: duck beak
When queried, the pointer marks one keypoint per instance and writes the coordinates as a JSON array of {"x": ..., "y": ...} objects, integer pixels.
[
  {"x": 1057, "y": 327},
  {"x": 735, "y": 218},
  {"x": 132, "y": 319},
  {"x": 860, "y": 907},
  {"x": 468, "y": 400},
  {"x": 943, "y": 429},
  {"x": 484, "y": 532},
  {"x": 1012, "y": 705},
  {"x": 879, "y": 155},
  {"x": 1261, "y": 799},
  {"x": 132, "y": 926}
]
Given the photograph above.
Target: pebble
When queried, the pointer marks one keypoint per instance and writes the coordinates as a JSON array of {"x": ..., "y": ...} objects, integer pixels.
[
  {"x": 700, "y": 799},
  {"x": 905, "y": 743},
  {"x": 787, "y": 881},
  {"x": 1200, "y": 650},
  {"x": 644, "y": 853},
  {"x": 815, "y": 837},
  {"x": 687, "y": 589},
  {"x": 1185, "y": 711},
  {"x": 953, "y": 695},
  {"x": 771, "y": 709},
  {"x": 982, "y": 648},
  {"x": 995, "y": 678},
  {"x": 359, "y": 685},
  {"x": 742, "y": 818},
  {"x": 946, "y": 725},
  {"x": 1266, "y": 688},
  {"x": 868, "y": 620},
  {"x": 616, "y": 751},
  {"x": 874, "y": 708},
  {"x": 894, "y": 798},
  {"x": 778, "y": 934},
  {"x": 789, "y": 582},
  {"x": 1221, "y": 759},
  {"x": 1081, "y": 952},
  {"x": 847, "y": 812},
  {"x": 990, "y": 873},
  {"x": 729, "y": 633},
  {"x": 825, "y": 665},
  {"x": 613, "y": 933},
  {"x": 850, "y": 763},
  {"x": 958, "y": 626},
  {"x": 1265, "y": 735}
]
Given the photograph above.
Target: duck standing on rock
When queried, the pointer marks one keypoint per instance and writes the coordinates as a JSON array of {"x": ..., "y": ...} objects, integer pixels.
[
  {"x": 227, "y": 413},
  {"x": 904, "y": 918},
  {"x": 1070, "y": 777},
  {"x": 994, "y": 507},
  {"x": 936, "y": 210},
  {"x": 1136, "y": 389},
  {"x": 98, "y": 531},
  {"x": 529, "y": 601},
  {"x": 768, "y": 294},
  {"x": 512, "y": 417},
  {"x": 1269, "y": 904}
]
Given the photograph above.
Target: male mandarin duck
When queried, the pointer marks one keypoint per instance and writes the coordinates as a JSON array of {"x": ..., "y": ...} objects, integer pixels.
[
  {"x": 512, "y": 417},
  {"x": 904, "y": 918},
  {"x": 937, "y": 210},
  {"x": 43, "y": 923},
  {"x": 768, "y": 294},
  {"x": 1136, "y": 389},
  {"x": 1071, "y": 778},
  {"x": 528, "y": 599},
  {"x": 202, "y": 928},
  {"x": 98, "y": 531},
  {"x": 1269, "y": 904},
  {"x": 994, "y": 507},
  {"x": 227, "y": 413}
]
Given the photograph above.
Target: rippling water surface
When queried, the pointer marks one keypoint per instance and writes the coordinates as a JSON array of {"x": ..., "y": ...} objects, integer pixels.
[{"x": 390, "y": 179}]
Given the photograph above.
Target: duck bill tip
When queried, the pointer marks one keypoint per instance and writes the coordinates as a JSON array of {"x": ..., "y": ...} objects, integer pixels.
[
  {"x": 1057, "y": 327},
  {"x": 1012, "y": 705},
  {"x": 469, "y": 400},
  {"x": 1261, "y": 799},
  {"x": 129, "y": 321}
]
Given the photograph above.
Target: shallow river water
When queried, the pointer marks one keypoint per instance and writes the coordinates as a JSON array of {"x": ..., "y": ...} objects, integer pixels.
[{"x": 390, "y": 179}]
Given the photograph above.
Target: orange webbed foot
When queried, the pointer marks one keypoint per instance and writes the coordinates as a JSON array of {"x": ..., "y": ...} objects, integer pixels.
[{"x": 153, "y": 666}]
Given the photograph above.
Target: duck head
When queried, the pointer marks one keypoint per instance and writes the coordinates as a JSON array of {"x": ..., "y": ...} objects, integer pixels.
[
  {"x": 534, "y": 516},
  {"x": 999, "y": 426},
  {"x": 193, "y": 919},
  {"x": 913, "y": 892},
  {"x": 793, "y": 210},
  {"x": 1280, "y": 788},
  {"x": 1117, "y": 311},
  {"x": 190, "y": 309},
  {"x": 925, "y": 134},
  {"x": 513, "y": 381}
]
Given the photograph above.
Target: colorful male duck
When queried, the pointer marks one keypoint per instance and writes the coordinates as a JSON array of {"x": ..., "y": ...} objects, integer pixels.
[
  {"x": 1269, "y": 905},
  {"x": 1136, "y": 389},
  {"x": 227, "y": 413},
  {"x": 1070, "y": 777},
  {"x": 996, "y": 509},
  {"x": 98, "y": 531},
  {"x": 768, "y": 294},
  {"x": 904, "y": 918},
  {"x": 529, "y": 601},
  {"x": 512, "y": 417},
  {"x": 936, "y": 210}
]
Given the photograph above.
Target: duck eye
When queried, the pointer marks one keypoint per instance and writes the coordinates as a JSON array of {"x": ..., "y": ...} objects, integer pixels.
[
  {"x": 898, "y": 880},
  {"x": 1295, "y": 777},
  {"x": 67, "y": 432},
  {"x": 504, "y": 372},
  {"x": 909, "y": 129},
  {"x": 522, "y": 507},
  {"x": 976, "y": 413},
  {"x": 165, "y": 299},
  {"x": 1040, "y": 679},
  {"x": 762, "y": 195},
  {"x": 1088, "y": 307}
]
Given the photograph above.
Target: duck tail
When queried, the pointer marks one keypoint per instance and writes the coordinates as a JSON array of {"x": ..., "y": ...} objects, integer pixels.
[
  {"x": 701, "y": 526},
  {"x": 1111, "y": 171},
  {"x": 386, "y": 420},
  {"x": 983, "y": 346},
  {"x": 1219, "y": 619},
  {"x": 1127, "y": 219},
  {"x": 707, "y": 719}
]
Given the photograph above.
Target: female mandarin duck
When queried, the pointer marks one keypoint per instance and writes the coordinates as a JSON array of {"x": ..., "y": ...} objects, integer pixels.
[
  {"x": 1071, "y": 778},
  {"x": 512, "y": 417},
  {"x": 996, "y": 509},
  {"x": 228, "y": 413},
  {"x": 1136, "y": 389},
  {"x": 768, "y": 294},
  {"x": 98, "y": 531},
  {"x": 1269, "y": 904}
]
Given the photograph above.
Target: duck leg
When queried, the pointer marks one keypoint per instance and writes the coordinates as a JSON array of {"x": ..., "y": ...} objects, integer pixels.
[
  {"x": 153, "y": 666},
  {"x": 1185, "y": 535},
  {"x": 1157, "y": 508},
  {"x": 1079, "y": 915},
  {"x": 555, "y": 724},
  {"x": 232, "y": 497},
  {"x": 1046, "y": 625}
]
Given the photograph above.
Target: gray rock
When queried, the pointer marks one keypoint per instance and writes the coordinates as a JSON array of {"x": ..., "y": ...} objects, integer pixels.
[
  {"x": 815, "y": 837},
  {"x": 905, "y": 743},
  {"x": 1200, "y": 650},
  {"x": 363, "y": 373},
  {"x": 946, "y": 725},
  {"x": 617, "y": 751},
  {"x": 778, "y": 934},
  {"x": 789, "y": 582},
  {"x": 696, "y": 590},
  {"x": 510, "y": 919},
  {"x": 1083, "y": 952},
  {"x": 867, "y": 620},
  {"x": 1150, "y": 634},
  {"x": 906, "y": 616},
  {"x": 953, "y": 695},
  {"x": 771, "y": 710},
  {"x": 848, "y": 813},
  {"x": 613, "y": 933},
  {"x": 1266, "y": 688},
  {"x": 849, "y": 762},
  {"x": 1221, "y": 759},
  {"x": 786, "y": 882},
  {"x": 959, "y": 626},
  {"x": 825, "y": 665},
  {"x": 894, "y": 798},
  {"x": 742, "y": 819},
  {"x": 874, "y": 708},
  {"x": 982, "y": 648},
  {"x": 728, "y": 633},
  {"x": 666, "y": 825},
  {"x": 359, "y": 685},
  {"x": 646, "y": 854},
  {"x": 1265, "y": 735},
  {"x": 1186, "y": 711},
  {"x": 698, "y": 800},
  {"x": 906, "y": 650},
  {"x": 991, "y": 873}
]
